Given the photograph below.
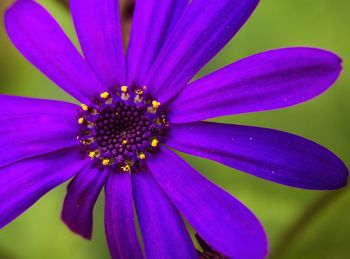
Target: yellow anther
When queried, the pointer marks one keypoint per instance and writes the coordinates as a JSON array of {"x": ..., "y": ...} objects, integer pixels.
[
  {"x": 154, "y": 142},
  {"x": 139, "y": 91},
  {"x": 106, "y": 162},
  {"x": 124, "y": 88},
  {"x": 104, "y": 95},
  {"x": 84, "y": 107},
  {"x": 142, "y": 156},
  {"x": 126, "y": 168},
  {"x": 155, "y": 104},
  {"x": 81, "y": 120},
  {"x": 125, "y": 142},
  {"x": 92, "y": 154}
]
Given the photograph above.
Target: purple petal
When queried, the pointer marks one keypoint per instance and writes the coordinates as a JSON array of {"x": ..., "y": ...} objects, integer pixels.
[
  {"x": 13, "y": 106},
  {"x": 270, "y": 154},
  {"x": 201, "y": 33},
  {"x": 222, "y": 221},
  {"x": 98, "y": 26},
  {"x": 266, "y": 81},
  {"x": 119, "y": 218},
  {"x": 32, "y": 127},
  {"x": 80, "y": 200},
  {"x": 153, "y": 21},
  {"x": 40, "y": 39},
  {"x": 163, "y": 231},
  {"x": 25, "y": 182}
]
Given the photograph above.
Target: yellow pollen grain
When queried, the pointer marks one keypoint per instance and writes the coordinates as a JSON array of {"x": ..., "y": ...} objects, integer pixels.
[
  {"x": 155, "y": 104},
  {"x": 92, "y": 154},
  {"x": 104, "y": 95},
  {"x": 106, "y": 162},
  {"x": 154, "y": 142},
  {"x": 124, "y": 88},
  {"x": 142, "y": 156},
  {"x": 125, "y": 142},
  {"x": 139, "y": 92},
  {"x": 126, "y": 168},
  {"x": 81, "y": 120},
  {"x": 84, "y": 107}
]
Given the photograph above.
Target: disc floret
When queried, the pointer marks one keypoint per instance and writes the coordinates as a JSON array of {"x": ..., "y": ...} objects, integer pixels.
[{"x": 122, "y": 128}]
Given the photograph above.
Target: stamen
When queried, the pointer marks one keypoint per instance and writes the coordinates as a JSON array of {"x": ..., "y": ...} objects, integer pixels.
[
  {"x": 155, "y": 104},
  {"x": 138, "y": 98},
  {"x": 142, "y": 156},
  {"x": 124, "y": 88},
  {"x": 92, "y": 154},
  {"x": 84, "y": 107},
  {"x": 90, "y": 124},
  {"x": 125, "y": 96},
  {"x": 93, "y": 111},
  {"x": 104, "y": 95},
  {"x": 109, "y": 100},
  {"x": 81, "y": 120},
  {"x": 154, "y": 142},
  {"x": 126, "y": 168},
  {"x": 87, "y": 142},
  {"x": 106, "y": 162}
]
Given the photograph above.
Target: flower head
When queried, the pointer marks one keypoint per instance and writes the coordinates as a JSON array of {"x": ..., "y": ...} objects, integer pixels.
[
  {"x": 124, "y": 127},
  {"x": 134, "y": 108}
]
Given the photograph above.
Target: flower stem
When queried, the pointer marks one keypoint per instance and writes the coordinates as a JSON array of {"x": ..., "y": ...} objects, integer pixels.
[{"x": 301, "y": 223}]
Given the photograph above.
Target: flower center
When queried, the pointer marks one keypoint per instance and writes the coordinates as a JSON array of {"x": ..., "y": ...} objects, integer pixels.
[{"x": 121, "y": 128}]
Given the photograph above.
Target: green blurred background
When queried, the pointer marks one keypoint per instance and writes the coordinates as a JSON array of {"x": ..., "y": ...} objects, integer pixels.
[{"x": 300, "y": 224}]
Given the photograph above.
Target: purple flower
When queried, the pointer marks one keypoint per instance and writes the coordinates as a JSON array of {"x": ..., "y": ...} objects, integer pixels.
[{"x": 135, "y": 109}]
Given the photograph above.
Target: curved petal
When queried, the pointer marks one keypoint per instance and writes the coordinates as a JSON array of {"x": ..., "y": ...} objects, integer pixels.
[
  {"x": 222, "y": 221},
  {"x": 163, "y": 230},
  {"x": 153, "y": 21},
  {"x": 201, "y": 33},
  {"x": 98, "y": 26},
  {"x": 40, "y": 39},
  {"x": 270, "y": 154},
  {"x": 25, "y": 182},
  {"x": 80, "y": 200},
  {"x": 32, "y": 127},
  {"x": 119, "y": 218},
  {"x": 266, "y": 81}
]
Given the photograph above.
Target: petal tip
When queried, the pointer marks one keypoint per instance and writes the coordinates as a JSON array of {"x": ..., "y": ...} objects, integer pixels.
[
  {"x": 344, "y": 181},
  {"x": 87, "y": 235},
  {"x": 342, "y": 174}
]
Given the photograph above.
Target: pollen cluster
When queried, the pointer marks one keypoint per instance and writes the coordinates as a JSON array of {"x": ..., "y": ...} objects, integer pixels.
[{"x": 122, "y": 128}]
